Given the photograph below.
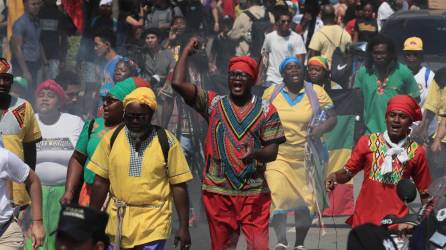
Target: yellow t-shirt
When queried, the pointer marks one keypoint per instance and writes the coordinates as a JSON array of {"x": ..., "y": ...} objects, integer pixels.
[
  {"x": 436, "y": 100},
  {"x": 18, "y": 125},
  {"x": 146, "y": 187},
  {"x": 295, "y": 118},
  {"x": 328, "y": 38}
]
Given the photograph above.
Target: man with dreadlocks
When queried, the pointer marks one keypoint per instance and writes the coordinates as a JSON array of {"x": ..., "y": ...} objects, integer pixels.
[{"x": 380, "y": 79}]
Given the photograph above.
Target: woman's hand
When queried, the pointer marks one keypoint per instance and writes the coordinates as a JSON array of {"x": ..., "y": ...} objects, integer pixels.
[{"x": 37, "y": 234}]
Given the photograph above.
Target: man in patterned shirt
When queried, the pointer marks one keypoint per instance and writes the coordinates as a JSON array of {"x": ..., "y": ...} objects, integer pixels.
[
  {"x": 19, "y": 130},
  {"x": 243, "y": 134},
  {"x": 145, "y": 170},
  {"x": 386, "y": 158}
]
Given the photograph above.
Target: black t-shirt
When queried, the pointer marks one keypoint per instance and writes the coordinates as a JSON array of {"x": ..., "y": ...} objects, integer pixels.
[
  {"x": 52, "y": 24},
  {"x": 366, "y": 28}
]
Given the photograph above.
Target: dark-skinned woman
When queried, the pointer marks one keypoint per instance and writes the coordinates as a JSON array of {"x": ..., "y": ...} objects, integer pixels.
[
  {"x": 60, "y": 132},
  {"x": 286, "y": 176},
  {"x": 318, "y": 73},
  {"x": 88, "y": 140}
]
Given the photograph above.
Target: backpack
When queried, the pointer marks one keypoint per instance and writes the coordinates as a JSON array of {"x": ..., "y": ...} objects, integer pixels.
[
  {"x": 260, "y": 27},
  {"x": 341, "y": 66},
  {"x": 162, "y": 137}
]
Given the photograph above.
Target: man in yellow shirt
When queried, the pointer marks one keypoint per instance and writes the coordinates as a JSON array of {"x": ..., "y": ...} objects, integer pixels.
[
  {"x": 330, "y": 36},
  {"x": 435, "y": 104},
  {"x": 18, "y": 128},
  {"x": 144, "y": 169}
]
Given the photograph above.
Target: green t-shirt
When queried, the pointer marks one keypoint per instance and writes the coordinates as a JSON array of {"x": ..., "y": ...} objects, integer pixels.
[
  {"x": 399, "y": 82},
  {"x": 86, "y": 145}
]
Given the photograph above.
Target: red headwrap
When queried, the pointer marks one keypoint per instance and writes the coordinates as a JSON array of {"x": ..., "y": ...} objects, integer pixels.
[
  {"x": 406, "y": 104},
  {"x": 53, "y": 86},
  {"x": 245, "y": 64}
]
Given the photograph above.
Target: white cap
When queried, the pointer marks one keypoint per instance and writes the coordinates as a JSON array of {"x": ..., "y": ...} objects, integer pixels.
[
  {"x": 59, "y": 2},
  {"x": 105, "y": 2}
]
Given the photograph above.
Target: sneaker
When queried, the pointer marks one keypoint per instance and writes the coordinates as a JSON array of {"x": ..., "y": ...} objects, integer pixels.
[
  {"x": 280, "y": 246},
  {"x": 299, "y": 247}
]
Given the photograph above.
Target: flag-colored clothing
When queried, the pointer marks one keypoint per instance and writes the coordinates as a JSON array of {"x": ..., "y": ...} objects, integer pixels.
[
  {"x": 288, "y": 171},
  {"x": 231, "y": 129},
  {"x": 376, "y": 93},
  {"x": 18, "y": 125},
  {"x": 378, "y": 196},
  {"x": 141, "y": 179}
]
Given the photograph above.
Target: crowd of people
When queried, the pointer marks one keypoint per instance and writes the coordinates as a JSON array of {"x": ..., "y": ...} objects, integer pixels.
[{"x": 116, "y": 113}]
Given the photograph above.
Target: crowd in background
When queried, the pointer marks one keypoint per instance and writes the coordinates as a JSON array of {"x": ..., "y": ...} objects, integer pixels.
[{"x": 78, "y": 64}]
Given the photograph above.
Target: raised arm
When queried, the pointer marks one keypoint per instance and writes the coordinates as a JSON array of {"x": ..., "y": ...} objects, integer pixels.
[{"x": 179, "y": 84}]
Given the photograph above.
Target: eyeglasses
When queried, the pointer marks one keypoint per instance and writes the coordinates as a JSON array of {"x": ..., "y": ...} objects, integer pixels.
[{"x": 236, "y": 74}]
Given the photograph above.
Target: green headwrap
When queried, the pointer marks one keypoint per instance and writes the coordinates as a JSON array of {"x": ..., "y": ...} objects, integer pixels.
[{"x": 122, "y": 89}]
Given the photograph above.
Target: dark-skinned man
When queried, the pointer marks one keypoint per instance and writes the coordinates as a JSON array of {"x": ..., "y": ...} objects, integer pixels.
[
  {"x": 19, "y": 129},
  {"x": 330, "y": 36},
  {"x": 386, "y": 158},
  {"x": 381, "y": 78},
  {"x": 243, "y": 134},
  {"x": 145, "y": 170}
]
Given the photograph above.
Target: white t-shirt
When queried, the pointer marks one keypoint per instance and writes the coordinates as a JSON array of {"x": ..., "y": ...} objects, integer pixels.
[
  {"x": 319, "y": 24},
  {"x": 384, "y": 12},
  {"x": 278, "y": 48},
  {"x": 424, "y": 78},
  {"x": 55, "y": 149},
  {"x": 11, "y": 168}
]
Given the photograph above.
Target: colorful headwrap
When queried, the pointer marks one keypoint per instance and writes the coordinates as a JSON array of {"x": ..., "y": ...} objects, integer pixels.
[
  {"x": 244, "y": 63},
  {"x": 318, "y": 61},
  {"x": 105, "y": 88},
  {"x": 5, "y": 67},
  {"x": 406, "y": 104},
  {"x": 142, "y": 96},
  {"x": 53, "y": 86},
  {"x": 122, "y": 89},
  {"x": 21, "y": 81},
  {"x": 288, "y": 60},
  {"x": 134, "y": 68}
]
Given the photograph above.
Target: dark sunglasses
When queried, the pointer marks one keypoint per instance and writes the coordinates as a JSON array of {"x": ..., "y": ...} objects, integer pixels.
[{"x": 235, "y": 75}]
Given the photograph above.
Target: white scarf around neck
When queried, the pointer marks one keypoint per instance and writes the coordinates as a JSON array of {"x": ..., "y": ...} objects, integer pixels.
[{"x": 394, "y": 149}]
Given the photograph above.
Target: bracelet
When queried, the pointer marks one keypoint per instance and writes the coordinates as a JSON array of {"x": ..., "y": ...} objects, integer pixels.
[{"x": 38, "y": 220}]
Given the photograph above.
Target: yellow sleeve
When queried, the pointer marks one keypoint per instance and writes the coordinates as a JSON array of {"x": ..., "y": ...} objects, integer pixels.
[
  {"x": 433, "y": 99},
  {"x": 32, "y": 130},
  {"x": 268, "y": 92},
  {"x": 324, "y": 99},
  {"x": 315, "y": 43},
  {"x": 177, "y": 168},
  {"x": 99, "y": 162}
]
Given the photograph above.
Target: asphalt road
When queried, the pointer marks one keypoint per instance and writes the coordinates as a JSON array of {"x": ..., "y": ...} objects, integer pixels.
[{"x": 332, "y": 238}]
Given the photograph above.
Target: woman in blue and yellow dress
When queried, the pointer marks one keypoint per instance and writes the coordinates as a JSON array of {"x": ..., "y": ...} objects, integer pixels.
[{"x": 286, "y": 176}]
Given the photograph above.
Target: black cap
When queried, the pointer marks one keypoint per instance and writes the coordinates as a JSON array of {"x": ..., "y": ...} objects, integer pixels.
[{"x": 81, "y": 223}]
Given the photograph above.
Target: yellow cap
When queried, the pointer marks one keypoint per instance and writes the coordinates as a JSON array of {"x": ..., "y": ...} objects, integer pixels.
[{"x": 413, "y": 43}]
